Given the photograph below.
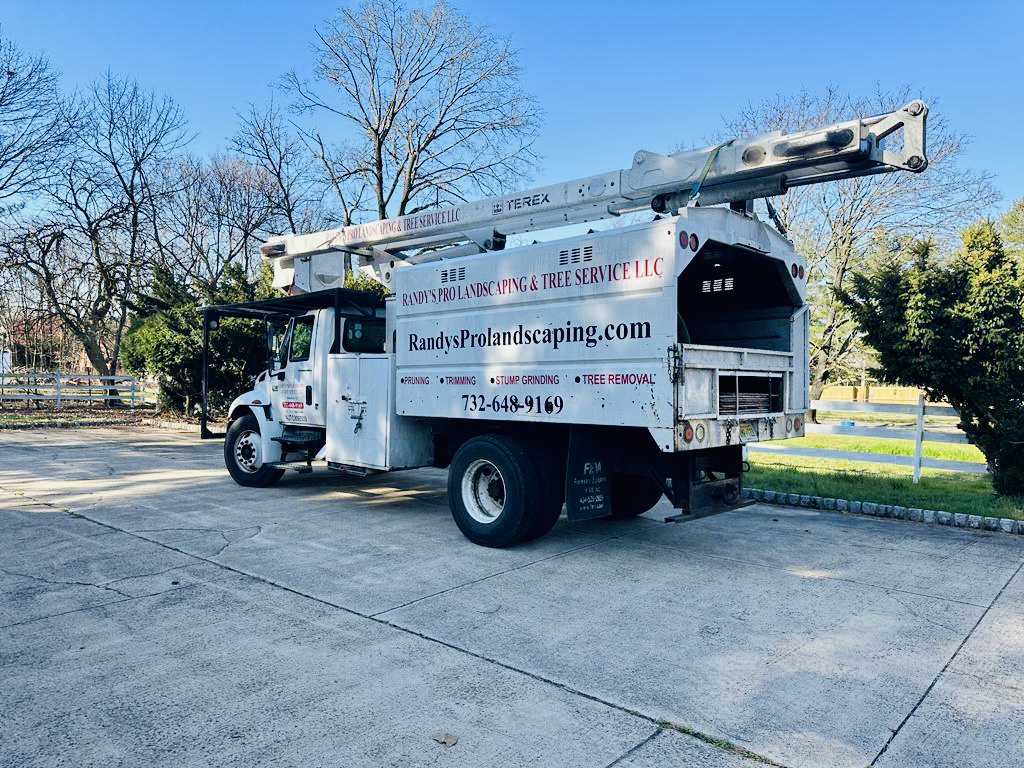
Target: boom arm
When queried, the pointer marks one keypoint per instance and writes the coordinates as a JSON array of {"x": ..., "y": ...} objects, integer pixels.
[{"x": 733, "y": 171}]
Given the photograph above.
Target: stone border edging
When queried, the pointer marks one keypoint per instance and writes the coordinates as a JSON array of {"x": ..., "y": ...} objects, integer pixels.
[
  {"x": 891, "y": 511},
  {"x": 180, "y": 426}
]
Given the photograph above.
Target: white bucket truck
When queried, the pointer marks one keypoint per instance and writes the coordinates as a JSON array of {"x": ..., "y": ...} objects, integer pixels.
[{"x": 602, "y": 370}]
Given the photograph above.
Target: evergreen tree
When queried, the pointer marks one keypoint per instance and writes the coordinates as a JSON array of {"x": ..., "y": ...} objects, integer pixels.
[
  {"x": 956, "y": 329},
  {"x": 166, "y": 339}
]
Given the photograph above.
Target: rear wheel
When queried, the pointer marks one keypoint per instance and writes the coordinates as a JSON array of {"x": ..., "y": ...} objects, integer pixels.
[
  {"x": 551, "y": 472},
  {"x": 632, "y": 495},
  {"x": 494, "y": 490},
  {"x": 243, "y": 455}
]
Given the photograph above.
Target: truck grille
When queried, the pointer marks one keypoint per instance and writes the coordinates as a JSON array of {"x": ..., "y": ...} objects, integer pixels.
[{"x": 745, "y": 395}]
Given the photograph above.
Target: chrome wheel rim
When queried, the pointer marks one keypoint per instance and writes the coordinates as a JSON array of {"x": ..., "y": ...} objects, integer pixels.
[
  {"x": 483, "y": 491},
  {"x": 247, "y": 452}
]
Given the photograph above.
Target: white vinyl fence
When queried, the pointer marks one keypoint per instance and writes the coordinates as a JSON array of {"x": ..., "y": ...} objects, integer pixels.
[
  {"x": 918, "y": 434},
  {"x": 57, "y": 388}
]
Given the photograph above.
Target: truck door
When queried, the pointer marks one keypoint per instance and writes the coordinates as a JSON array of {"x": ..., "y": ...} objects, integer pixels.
[
  {"x": 297, "y": 387},
  {"x": 360, "y": 424},
  {"x": 358, "y": 429}
]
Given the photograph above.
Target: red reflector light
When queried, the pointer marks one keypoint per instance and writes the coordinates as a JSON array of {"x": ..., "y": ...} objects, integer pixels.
[
  {"x": 795, "y": 270},
  {"x": 797, "y": 423},
  {"x": 684, "y": 238},
  {"x": 801, "y": 273},
  {"x": 694, "y": 243},
  {"x": 688, "y": 433}
]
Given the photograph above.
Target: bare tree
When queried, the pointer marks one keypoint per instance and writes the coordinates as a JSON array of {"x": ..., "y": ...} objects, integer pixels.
[
  {"x": 292, "y": 164},
  {"x": 430, "y": 107},
  {"x": 834, "y": 225},
  {"x": 32, "y": 333},
  {"x": 74, "y": 290},
  {"x": 35, "y": 120},
  {"x": 216, "y": 216},
  {"x": 89, "y": 247}
]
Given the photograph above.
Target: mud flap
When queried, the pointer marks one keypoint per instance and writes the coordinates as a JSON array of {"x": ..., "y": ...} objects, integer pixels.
[{"x": 587, "y": 487}]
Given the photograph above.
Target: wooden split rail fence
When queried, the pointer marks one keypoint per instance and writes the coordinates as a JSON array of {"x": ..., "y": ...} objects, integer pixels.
[
  {"x": 918, "y": 433},
  {"x": 57, "y": 388}
]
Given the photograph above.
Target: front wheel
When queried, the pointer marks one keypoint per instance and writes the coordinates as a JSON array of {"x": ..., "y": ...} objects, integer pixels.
[
  {"x": 243, "y": 455},
  {"x": 494, "y": 491}
]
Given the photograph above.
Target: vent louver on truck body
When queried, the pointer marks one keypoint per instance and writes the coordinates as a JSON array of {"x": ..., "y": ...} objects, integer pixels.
[{"x": 576, "y": 255}]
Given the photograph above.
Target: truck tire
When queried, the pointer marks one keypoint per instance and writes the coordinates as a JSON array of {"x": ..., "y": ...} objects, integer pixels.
[
  {"x": 632, "y": 495},
  {"x": 243, "y": 455},
  {"x": 551, "y": 471},
  {"x": 494, "y": 490}
]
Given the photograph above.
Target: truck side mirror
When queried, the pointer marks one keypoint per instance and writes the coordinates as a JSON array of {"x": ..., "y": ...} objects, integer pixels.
[{"x": 273, "y": 351}]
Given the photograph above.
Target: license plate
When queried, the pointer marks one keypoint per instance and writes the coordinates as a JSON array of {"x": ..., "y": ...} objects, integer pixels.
[{"x": 747, "y": 431}]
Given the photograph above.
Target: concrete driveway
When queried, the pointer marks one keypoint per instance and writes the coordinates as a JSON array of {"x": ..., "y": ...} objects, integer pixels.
[{"x": 154, "y": 613}]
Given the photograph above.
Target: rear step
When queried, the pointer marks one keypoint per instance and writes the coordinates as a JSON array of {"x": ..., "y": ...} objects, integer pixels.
[{"x": 708, "y": 511}]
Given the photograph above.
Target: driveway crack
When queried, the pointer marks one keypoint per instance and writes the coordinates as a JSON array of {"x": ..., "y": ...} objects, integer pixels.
[
  {"x": 520, "y": 567},
  {"x": 150, "y": 575},
  {"x": 942, "y": 671},
  {"x": 250, "y": 532},
  {"x": 60, "y": 583},
  {"x": 636, "y": 747}
]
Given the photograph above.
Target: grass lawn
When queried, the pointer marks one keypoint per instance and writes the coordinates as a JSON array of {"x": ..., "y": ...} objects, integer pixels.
[
  {"x": 882, "y": 483},
  {"x": 868, "y": 418},
  {"x": 952, "y": 451}
]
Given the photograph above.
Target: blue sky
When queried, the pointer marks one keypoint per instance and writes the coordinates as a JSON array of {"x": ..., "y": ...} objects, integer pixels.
[{"x": 611, "y": 77}]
